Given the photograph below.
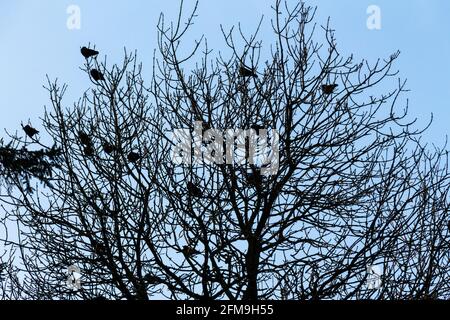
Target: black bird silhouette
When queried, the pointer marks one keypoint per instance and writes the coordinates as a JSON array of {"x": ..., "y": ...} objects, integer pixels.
[
  {"x": 246, "y": 72},
  {"x": 97, "y": 75},
  {"x": 329, "y": 88},
  {"x": 99, "y": 249},
  {"x": 30, "y": 131},
  {"x": 193, "y": 190},
  {"x": 257, "y": 127},
  {"x": 3, "y": 266},
  {"x": 87, "y": 53},
  {"x": 133, "y": 157},
  {"x": 254, "y": 178},
  {"x": 189, "y": 251},
  {"x": 108, "y": 148},
  {"x": 152, "y": 279},
  {"x": 84, "y": 138},
  {"x": 88, "y": 151}
]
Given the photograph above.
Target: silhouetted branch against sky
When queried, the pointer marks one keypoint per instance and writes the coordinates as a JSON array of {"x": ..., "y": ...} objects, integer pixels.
[{"x": 356, "y": 207}]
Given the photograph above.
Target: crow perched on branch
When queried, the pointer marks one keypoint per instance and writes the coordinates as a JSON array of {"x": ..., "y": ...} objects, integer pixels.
[
  {"x": 84, "y": 138},
  {"x": 189, "y": 251},
  {"x": 88, "y": 53},
  {"x": 329, "y": 88},
  {"x": 108, "y": 148},
  {"x": 99, "y": 249},
  {"x": 88, "y": 150},
  {"x": 97, "y": 75},
  {"x": 152, "y": 279},
  {"x": 133, "y": 157},
  {"x": 30, "y": 131},
  {"x": 247, "y": 72},
  {"x": 254, "y": 178},
  {"x": 193, "y": 190},
  {"x": 257, "y": 127}
]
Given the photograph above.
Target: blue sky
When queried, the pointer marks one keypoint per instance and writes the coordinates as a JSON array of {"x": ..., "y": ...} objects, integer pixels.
[{"x": 36, "y": 41}]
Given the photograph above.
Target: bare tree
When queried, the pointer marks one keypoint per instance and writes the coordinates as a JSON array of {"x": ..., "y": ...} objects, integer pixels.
[{"x": 355, "y": 187}]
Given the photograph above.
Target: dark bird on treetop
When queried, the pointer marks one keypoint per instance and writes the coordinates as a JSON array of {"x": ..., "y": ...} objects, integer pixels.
[
  {"x": 189, "y": 251},
  {"x": 30, "y": 131},
  {"x": 193, "y": 190},
  {"x": 108, "y": 148},
  {"x": 257, "y": 127},
  {"x": 99, "y": 249},
  {"x": 84, "y": 138},
  {"x": 254, "y": 178},
  {"x": 87, "y": 53},
  {"x": 152, "y": 279},
  {"x": 88, "y": 151},
  {"x": 97, "y": 75},
  {"x": 329, "y": 88},
  {"x": 133, "y": 157},
  {"x": 246, "y": 72}
]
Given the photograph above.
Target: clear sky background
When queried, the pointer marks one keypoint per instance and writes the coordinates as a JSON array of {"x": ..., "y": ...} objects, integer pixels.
[{"x": 35, "y": 41}]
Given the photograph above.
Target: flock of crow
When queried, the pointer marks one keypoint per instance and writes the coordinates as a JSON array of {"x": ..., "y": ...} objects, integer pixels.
[
  {"x": 134, "y": 157},
  {"x": 84, "y": 138},
  {"x": 90, "y": 53},
  {"x": 246, "y": 72}
]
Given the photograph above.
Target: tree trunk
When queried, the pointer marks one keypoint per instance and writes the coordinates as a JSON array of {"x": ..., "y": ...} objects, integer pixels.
[{"x": 252, "y": 264}]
